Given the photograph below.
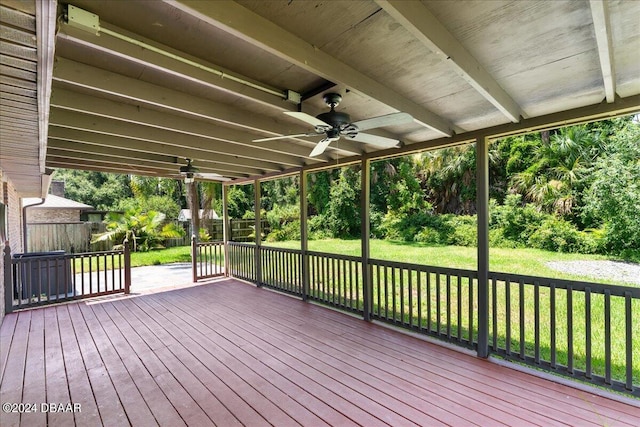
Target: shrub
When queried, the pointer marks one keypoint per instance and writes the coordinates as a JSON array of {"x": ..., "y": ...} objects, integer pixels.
[
  {"x": 559, "y": 235},
  {"x": 518, "y": 222}
]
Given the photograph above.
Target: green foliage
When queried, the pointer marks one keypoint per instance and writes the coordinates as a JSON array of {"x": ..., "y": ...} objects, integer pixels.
[
  {"x": 614, "y": 194},
  {"x": 558, "y": 235},
  {"x": 240, "y": 200},
  {"x": 165, "y": 204},
  {"x": 342, "y": 215},
  {"x": 284, "y": 222},
  {"x": 144, "y": 230},
  {"x": 98, "y": 189},
  {"x": 203, "y": 235},
  {"x": 517, "y": 221}
]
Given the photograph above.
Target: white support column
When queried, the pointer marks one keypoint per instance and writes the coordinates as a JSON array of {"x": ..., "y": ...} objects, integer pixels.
[
  {"x": 258, "y": 231},
  {"x": 482, "y": 205},
  {"x": 365, "y": 193},
  {"x": 226, "y": 227},
  {"x": 304, "y": 240}
]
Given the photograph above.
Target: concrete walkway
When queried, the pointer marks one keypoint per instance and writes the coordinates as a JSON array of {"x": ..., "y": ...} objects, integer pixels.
[{"x": 160, "y": 276}]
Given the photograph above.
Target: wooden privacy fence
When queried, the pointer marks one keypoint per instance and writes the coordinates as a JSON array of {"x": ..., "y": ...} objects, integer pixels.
[
  {"x": 583, "y": 330},
  {"x": 34, "y": 279},
  {"x": 70, "y": 237}
]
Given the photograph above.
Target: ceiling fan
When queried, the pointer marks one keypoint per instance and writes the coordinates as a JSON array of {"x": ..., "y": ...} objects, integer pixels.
[
  {"x": 190, "y": 172},
  {"x": 334, "y": 125}
]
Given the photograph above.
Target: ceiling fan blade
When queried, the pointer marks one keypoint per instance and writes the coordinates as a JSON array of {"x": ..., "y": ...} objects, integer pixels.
[
  {"x": 308, "y": 119},
  {"x": 375, "y": 140},
  {"x": 321, "y": 146},
  {"x": 382, "y": 121},
  {"x": 212, "y": 176},
  {"x": 273, "y": 138}
]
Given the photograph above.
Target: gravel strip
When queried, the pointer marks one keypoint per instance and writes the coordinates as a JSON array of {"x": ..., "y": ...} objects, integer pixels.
[{"x": 624, "y": 272}]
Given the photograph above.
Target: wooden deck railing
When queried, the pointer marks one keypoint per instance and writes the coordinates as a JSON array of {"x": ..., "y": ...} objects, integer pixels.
[
  {"x": 578, "y": 329},
  {"x": 207, "y": 259},
  {"x": 33, "y": 280}
]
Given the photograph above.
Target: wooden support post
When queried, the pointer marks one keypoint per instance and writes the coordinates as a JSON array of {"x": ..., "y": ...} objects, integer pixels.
[
  {"x": 258, "y": 231},
  {"x": 367, "y": 284},
  {"x": 225, "y": 227},
  {"x": 482, "y": 205},
  {"x": 304, "y": 239},
  {"x": 194, "y": 259},
  {"x": 127, "y": 267},
  {"x": 8, "y": 279}
]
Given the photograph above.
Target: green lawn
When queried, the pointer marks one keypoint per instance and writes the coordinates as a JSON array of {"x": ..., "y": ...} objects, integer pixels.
[{"x": 521, "y": 261}]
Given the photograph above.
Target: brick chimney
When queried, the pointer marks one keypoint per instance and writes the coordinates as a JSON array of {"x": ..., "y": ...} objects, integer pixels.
[{"x": 57, "y": 188}]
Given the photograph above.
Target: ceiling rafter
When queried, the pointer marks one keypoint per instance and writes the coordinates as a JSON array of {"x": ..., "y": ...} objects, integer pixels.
[
  {"x": 602, "y": 29},
  {"x": 135, "y": 132},
  {"x": 107, "y": 82},
  {"x": 74, "y": 101},
  {"x": 107, "y": 44},
  {"x": 422, "y": 24},
  {"x": 251, "y": 27},
  {"x": 116, "y": 142}
]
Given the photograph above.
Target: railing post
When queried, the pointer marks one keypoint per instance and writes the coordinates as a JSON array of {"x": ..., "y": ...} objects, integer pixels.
[
  {"x": 304, "y": 240},
  {"x": 8, "y": 279},
  {"x": 482, "y": 205},
  {"x": 225, "y": 227},
  {"x": 194, "y": 258},
  {"x": 127, "y": 267},
  {"x": 258, "y": 231},
  {"x": 367, "y": 284}
]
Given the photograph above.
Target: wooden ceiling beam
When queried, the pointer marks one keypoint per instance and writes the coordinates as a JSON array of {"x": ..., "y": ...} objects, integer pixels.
[
  {"x": 137, "y": 91},
  {"x": 239, "y": 21},
  {"x": 124, "y": 162},
  {"x": 79, "y": 102},
  {"x": 74, "y": 120},
  {"x": 117, "y": 143},
  {"x": 194, "y": 71},
  {"x": 602, "y": 29},
  {"x": 424, "y": 26}
]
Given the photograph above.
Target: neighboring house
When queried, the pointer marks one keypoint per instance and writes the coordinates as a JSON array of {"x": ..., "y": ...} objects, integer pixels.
[
  {"x": 185, "y": 215},
  {"x": 54, "y": 210}
]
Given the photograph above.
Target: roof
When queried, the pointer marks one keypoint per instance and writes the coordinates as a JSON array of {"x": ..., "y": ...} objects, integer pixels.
[
  {"x": 55, "y": 202},
  {"x": 185, "y": 214},
  {"x": 139, "y": 86}
]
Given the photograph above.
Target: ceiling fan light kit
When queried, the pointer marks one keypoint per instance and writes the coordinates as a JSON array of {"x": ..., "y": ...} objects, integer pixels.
[{"x": 334, "y": 125}]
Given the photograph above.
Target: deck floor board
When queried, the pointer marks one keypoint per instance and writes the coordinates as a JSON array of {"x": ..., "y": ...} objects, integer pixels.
[{"x": 228, "y": 354}]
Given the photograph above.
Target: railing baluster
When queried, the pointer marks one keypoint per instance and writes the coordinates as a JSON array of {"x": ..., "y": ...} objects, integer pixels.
[
  {"x": 428, "y": 286},
  {"x": 410, "y": 284},
  {"x": 628, "y": 341},
  {"x": 471, "y": 299},
  {"x": 607, "y": 336},
  {"x": 448, "y": 306},
  {"x": 570, "y": 329},
  {"x": 494, "y": 311},
  {"x": 401, "y": 271},
  {"x": 522, "y": 338},
  {"x": 419, "y": 290},
  {"x": 536, "y": 321},
  {"x": 459, "y": 298},
  {"x": 386, "y": 292},
  {"x": 438, "y": 311},
  {"x": 552, "y": 315},
  {"x": 587, "y": 318},
  {"x": 393, "y": 286},
  {"x": 507, "y": 300}
]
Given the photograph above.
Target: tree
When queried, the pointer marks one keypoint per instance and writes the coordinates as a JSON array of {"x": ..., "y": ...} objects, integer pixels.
[{"x": 144, "y": 230}]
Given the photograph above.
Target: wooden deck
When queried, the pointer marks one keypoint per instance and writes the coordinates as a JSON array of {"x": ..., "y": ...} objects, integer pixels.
[{"x": 229, "y": 354}]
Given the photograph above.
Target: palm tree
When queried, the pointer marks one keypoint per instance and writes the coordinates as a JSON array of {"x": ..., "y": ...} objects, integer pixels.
[{"x": 145, "y": 230}]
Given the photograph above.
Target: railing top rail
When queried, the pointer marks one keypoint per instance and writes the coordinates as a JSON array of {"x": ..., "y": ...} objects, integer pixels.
[
  {"x": 245, "y": 244},
  {"x": 214, "y": 243},
  {"x": 276, "y": 249},
  {"x": 425, "y": 268},
  {"x": 600, "y": 288},
  {"x": 27, "y": 259},
  {"x": 336, "y": 256}
]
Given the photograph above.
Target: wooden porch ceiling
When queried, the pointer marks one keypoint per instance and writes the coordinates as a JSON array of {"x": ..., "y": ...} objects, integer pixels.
[
  {"x": 227, "y": 353},
  {"x": 203, "y": 79}
]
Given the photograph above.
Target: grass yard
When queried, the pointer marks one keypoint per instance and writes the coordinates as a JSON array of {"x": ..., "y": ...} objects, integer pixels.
[{"x": 521, "y": 261}]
